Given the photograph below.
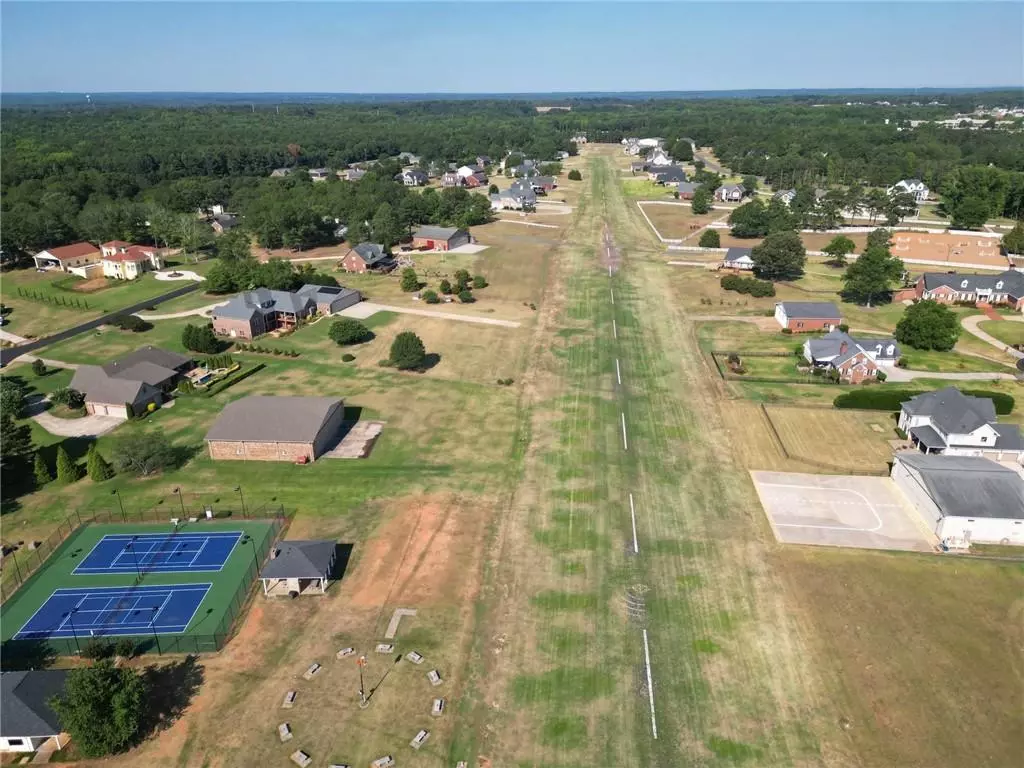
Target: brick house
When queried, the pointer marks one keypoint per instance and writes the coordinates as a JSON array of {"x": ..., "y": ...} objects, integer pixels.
[
  {"x": 855, "y": 360},
  {"x": 805, "y": 316},
  {"x": 254, "y": 313},
  {"x": 268, "y": 428},
  {"x": 367, "y": 257},
  {"x": 475, "y": 180},
  {"x": 686, "y": 190},
  {"x": 440, "y": 238},
  {"x": 67, "y": 256},
  {"x": 125, "y": 261},
  {"x": 1005, "y": 289}
]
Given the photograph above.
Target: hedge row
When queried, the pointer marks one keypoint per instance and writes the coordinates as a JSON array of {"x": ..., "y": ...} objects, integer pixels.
[
  {"x": 223, "y": 384},
  {"x": 888, "y": 399},
  {"x": 749, "y": 285}
]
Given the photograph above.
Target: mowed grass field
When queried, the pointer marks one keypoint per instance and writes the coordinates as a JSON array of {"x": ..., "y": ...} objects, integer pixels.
[
  {"x": 679, "y": 220},
  {"x": 812, "y": 435},
  {"x": 1006, "y": 331},
  {"x": 32, "y": 318}
]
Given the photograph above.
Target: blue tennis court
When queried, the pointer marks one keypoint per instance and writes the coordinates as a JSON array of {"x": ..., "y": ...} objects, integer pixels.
[
  {"x": 159, "y": 553},
  {"x": 109, "y": 611}
]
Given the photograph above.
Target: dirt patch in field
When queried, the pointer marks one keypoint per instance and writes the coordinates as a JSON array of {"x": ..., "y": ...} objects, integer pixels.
[
  {"x": 419, "y": 556},
  {"x": 91, "y": 285}
]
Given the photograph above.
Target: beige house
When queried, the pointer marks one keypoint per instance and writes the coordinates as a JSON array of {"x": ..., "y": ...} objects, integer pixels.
[
  {"x": 67, "y": 257},
  {"x": 124, "y": 261}
]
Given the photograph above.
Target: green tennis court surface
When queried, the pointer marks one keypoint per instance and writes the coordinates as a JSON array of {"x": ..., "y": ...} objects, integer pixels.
[{"x": 82, "y": 568}]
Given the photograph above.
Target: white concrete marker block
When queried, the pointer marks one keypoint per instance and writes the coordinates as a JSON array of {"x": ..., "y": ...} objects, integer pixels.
[
  {"x": 284, "y": 732},
  {"x": 289, "y": 700},
  {"x": 383, "y": 762},
  {"x": 300, "y": 758},
  {"x": 434, "y": 677},
  {"x": 385, "y": 647},
  {"x": 345, "y": 652},
  {"x": 313, "y": 669},
  {"x": 438, "y": 708},
  {"x": 414, "y": 657},
  {"x": 419, "y": 739}
]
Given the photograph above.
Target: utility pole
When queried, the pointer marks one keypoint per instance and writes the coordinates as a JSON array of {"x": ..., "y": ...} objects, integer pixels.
[{"x": 363, "y": 701}]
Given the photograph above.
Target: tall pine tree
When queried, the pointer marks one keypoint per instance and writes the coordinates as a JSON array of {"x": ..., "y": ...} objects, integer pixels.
[
  {"x": 99, "y": 469},
  {"x": 67, "y": 470},
  {"x": 41, "y": 471}
]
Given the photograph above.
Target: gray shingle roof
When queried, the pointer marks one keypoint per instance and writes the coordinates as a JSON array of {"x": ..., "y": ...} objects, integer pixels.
[
  {"x": 265, "y": 418},
  {"x": 300, "y": 560},
  {"x": 811, "y": 309},
  {"x": 436, "y": 233},
  {"x": 952, "y": 410},
  {"x": 324, "y": 293},
  {"x": 1012, "y": 282},
  {"x": 23, "y": 701},
  {"x": 735, "y": 253},
  {"x": 262, "y": 301},
  {"x": 99, "y": 387},
  {"x": 967, "y": 486},
  {"x": 686, "y": 186},
  {"x": 829, "y": 346},
  {"x": 371, "y": 253},
  {"x": 670, "y": 174},
  {"x": 150, "y": 354}
]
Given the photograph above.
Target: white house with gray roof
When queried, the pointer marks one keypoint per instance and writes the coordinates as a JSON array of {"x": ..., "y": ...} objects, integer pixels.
[
  {"x": 949, "y": 422},
  {"x": 738, "y": 258},
  {"x": 963, "y": 498},
  {"x": 915, "y": 187},
  {"x": 26, "y": 719}
]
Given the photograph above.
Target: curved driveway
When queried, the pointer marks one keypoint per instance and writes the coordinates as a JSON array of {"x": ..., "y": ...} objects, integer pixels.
[{"x": 970, "y": 324}]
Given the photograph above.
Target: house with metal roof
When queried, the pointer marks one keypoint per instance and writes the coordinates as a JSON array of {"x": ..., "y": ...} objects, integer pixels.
[
  {"x": 432, "y": 238},
  {"x": 963, "y": 498},
  {"x": 330, "y": 298},
  {"x": 805, "y": 316},
  {"x": 269, "y": 428},
  {"x": 949, "y": 422},
  {"x": 299, "y": 568},
  {"x": 67, "y": 256},
  {"x": 27, "y": 721},
  {"x": 854, "y": 359}
]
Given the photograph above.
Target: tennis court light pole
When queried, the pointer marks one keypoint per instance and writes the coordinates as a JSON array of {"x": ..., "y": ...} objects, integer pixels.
[
  {"x": 135, "y": 556},
  {"x": 70, "y": 616},
  {"x": 120, "y": 503},
  {"x": 255, "y": 561},
  {"x": 152, "y": 626},
  {"x": 182, "y": 500},
  {"x": 238, "y": 490}
]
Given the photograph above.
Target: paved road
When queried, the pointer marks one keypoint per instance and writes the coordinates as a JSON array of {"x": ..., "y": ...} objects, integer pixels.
[
  {"x": 366, "y": 308},
  {"x": 13, "y": 353},
  {"x": 970, "y": 324}
]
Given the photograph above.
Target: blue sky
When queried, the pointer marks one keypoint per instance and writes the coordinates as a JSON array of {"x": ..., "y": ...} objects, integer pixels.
[{"x": 505, "y": 47}]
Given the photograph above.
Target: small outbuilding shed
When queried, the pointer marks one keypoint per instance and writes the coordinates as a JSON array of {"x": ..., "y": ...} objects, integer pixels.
[
  {"x": 28, "y": 721},
  {"x": 299, "y": 568},
  {"x": 440, "y": 238},
  {"x": 269, "y": 428}
]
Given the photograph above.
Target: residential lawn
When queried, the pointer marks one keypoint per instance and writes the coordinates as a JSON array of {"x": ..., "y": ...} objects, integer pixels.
[
  {"x": 1006, "y": 331},
  {"x": 646, "y": 189},
  {"x": 106, "y": 343},
  {"x": 67, "y": 299},
  {"x": 808, "y": 435},
  {"x": 949, "y": 362},
  {"x": 770, "y": 367}
]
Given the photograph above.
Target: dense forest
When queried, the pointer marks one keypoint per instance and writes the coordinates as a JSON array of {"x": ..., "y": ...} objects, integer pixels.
[{"x": 104, "y": 172}]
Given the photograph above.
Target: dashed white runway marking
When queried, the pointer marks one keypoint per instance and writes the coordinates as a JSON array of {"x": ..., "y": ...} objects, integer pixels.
[
  {"x": 625, "y": 442},
  {"x": 615, "y": 329},
  {"x": 618, "y": 371},
  {"x": 650, "y": 686},
  {"x": 612, "y": 292},
  {"x": 632, "y": 514}
]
